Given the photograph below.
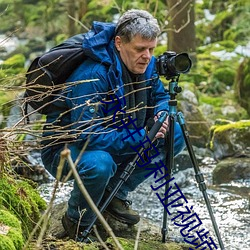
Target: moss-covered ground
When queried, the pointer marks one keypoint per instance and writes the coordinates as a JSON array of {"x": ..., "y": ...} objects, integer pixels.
[{"x": 20, "y": 209}]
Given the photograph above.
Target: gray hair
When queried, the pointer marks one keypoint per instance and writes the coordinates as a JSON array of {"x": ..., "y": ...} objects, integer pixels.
[{"x": 137, "y": 22}]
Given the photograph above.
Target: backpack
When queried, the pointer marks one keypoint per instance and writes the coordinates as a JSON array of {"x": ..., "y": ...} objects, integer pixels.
[{"x": 47, "y": 74}]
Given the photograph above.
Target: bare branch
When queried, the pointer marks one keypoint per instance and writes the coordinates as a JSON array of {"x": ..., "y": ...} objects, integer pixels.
[{"x": 66, "y": 154}]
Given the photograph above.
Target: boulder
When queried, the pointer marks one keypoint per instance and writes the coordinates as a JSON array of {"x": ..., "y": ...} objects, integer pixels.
[
  {"x": 197, "y": 125},
  {"x": 230, "y": 144},
  {"x": 231, "y": 169},
  {"x": 149, "y": 238},
  {"x": 231, "y": 139}
]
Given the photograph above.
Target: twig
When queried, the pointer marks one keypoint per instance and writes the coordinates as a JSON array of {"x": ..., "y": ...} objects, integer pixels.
[
  {"x": 99, "y": 238},
  {"x": 66, "y": 154},
  {"x": 77, "y": 21},
  {"x": 137, "y": 236}
]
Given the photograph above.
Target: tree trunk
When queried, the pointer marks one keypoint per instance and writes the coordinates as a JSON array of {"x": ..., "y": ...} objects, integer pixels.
[
  {"x": 83, "y": 7},
  {"x": 71, "y": 6},
  {"x": 181, "y": 27}
]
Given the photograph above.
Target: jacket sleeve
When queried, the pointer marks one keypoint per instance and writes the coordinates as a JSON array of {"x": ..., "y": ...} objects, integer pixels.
[{"x": 89, "y": 122}]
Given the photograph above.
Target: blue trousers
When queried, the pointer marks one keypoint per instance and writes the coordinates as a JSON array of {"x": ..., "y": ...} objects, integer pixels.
[{"x": 100, "y": 170}]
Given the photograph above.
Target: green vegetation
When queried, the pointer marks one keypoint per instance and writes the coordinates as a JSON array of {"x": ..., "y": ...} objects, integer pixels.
[
  {"x": 45, "y": 23},
  {"x": 11, "y": 237},
  {"x": 22, "y": 201}
]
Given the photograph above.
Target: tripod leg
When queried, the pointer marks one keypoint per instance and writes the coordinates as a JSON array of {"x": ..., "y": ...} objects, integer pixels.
[
  {"x": 198, "y": 176},
  {"x": 169, "y": 164}
]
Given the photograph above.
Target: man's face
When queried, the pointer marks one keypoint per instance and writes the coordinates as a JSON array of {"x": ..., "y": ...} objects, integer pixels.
[{"x": 137, "y": 53}]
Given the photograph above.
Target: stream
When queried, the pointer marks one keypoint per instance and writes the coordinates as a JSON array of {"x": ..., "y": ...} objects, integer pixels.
[{"x": 230, "y": 203}]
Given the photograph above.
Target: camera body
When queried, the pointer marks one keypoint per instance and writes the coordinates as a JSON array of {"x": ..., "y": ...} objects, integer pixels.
[{"x": 171, "y": 65}]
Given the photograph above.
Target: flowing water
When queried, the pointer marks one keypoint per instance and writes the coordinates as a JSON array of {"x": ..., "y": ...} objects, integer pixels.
[{"x": 230, "y": 204}]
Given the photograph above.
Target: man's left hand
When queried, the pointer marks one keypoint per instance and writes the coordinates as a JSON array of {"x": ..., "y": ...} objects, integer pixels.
[{"x": 163, "y": 129}]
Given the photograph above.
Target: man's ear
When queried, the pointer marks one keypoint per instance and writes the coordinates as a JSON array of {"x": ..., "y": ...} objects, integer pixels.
[{"x": 118, "y": 42}]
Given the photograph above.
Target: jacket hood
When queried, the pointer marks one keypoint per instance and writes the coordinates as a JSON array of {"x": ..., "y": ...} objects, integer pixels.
[{"x": 98, "y": 43}]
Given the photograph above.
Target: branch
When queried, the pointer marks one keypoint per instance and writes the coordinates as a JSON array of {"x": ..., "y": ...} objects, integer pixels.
[{"x": 66, "y": 154}]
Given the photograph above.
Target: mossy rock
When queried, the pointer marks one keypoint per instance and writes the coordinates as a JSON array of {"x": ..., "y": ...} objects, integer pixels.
[
  {"x": 22, "y": 200},
  {"x": 232, "y": 139},
  {"x": 11, "y": 237},
  {"x": 127, "y": 244}
]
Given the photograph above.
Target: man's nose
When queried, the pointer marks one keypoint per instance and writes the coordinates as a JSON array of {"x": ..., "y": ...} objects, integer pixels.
[{"x": 146, "y": 54}]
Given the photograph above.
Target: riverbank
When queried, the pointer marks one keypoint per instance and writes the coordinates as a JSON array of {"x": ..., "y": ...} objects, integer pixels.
[{"x": 230, "y": 204}]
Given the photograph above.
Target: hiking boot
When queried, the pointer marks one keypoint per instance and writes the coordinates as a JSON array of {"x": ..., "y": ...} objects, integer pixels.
[
  {"x": 121, "y": 211},
  {"x": 75, "y": 231}
]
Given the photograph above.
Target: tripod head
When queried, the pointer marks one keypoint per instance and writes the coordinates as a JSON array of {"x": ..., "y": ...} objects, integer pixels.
[{"x": 174, "y": 89}]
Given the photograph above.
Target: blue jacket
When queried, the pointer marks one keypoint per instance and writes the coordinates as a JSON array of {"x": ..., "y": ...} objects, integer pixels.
[{"x": 89, "y": 117}]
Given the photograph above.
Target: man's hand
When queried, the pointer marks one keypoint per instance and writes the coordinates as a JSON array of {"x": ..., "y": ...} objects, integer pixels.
[{"x": 164, "y": 128}]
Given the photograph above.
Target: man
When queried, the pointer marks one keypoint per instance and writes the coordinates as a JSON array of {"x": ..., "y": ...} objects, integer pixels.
[{"x": 123, "y": 87}]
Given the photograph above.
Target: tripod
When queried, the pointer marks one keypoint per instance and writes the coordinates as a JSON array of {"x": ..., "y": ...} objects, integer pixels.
[
  {"x": 173, "y": 90},
  {"x": 127, "y": 171}
]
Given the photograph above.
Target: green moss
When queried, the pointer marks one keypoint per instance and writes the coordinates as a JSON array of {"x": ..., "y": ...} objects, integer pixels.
[
  {"x": 239, "y": 128},
  {"x": 212, "y": 100},
  {"x": 228, "y": 45},
  {"x": 16, "y": 237},
  {"x": 13, "y": 239},
  {"x": 225, "y": 75},
  {"x": 9, "y": 219},
  {"x": 21, "y": 199},
  {"x": 6, "y": 243},
  {"x": 235, "y": 125},
  {"x": 16, "y": 61},
  {"x": 128, "y": 244},
  {"x": 13, "y": 71}
]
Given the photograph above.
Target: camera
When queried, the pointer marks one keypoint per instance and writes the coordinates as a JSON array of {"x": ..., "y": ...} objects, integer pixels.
[{"x": 171, "y": 65}]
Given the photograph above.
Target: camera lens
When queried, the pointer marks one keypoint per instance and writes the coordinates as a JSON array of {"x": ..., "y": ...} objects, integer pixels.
[
  {"x": 182, "y": 63},
  {"x": 171, "y": 64}
]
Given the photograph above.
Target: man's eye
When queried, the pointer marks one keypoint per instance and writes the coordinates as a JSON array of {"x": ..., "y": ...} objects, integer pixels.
[{"x": 139, "y": 50}]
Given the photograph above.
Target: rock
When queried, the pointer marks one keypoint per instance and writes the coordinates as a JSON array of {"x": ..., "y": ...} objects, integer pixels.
[
  {"x": 232, "y": 139},
  {"x": 150, "y": 235},
  {"x": 190, "y": 96},
  {"x": 231, "y": 169},
  {"x": 197, "y": 125}
]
